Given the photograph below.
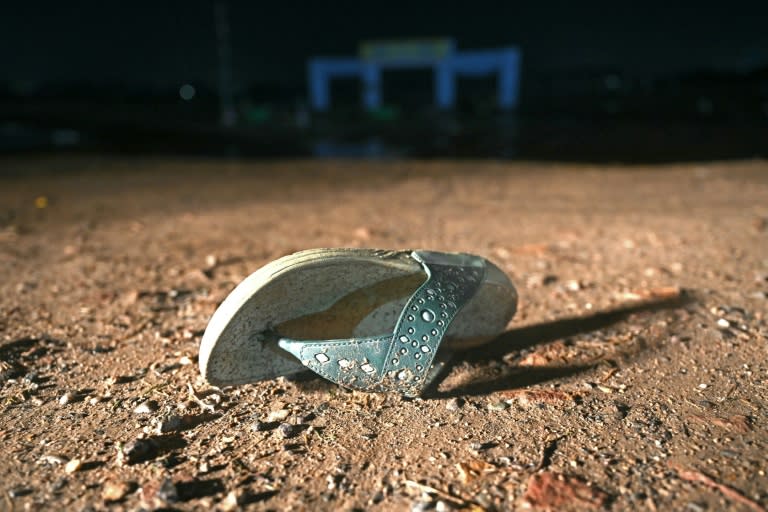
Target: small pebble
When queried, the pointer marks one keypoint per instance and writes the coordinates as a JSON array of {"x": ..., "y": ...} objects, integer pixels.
[
  {"x": 288, "y": 431},
  {"x": 723, "y": 323},
  {"x": 572, "y": 285},
  {"x": 72, "y": 466},
  {"x": 66, "y": 398},
  {"x": 146, "y": 407},
  {"x": 172, "y": 423},
  {"x": 115, "y": 490},
  {"x": 230, "y": 503},
  {"x": 497, "y": 406},
  {"x": 278, "y": 415},
  {"x": 137, "y": 451},
  {"x": 454, "y": 404}
]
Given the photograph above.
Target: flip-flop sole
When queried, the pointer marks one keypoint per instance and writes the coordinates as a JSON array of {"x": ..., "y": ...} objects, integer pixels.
[{"x": 332, "y": 294}]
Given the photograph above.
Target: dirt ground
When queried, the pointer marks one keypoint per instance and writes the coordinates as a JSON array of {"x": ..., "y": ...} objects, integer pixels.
[{"x": 634, "y": 375}]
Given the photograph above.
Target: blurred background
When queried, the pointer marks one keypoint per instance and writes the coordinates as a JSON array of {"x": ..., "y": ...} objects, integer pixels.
[{"x": 583, "y": 81}]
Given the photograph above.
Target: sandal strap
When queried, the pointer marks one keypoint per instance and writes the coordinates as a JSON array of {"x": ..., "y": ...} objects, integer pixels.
[{"x": 400, "y": 361}]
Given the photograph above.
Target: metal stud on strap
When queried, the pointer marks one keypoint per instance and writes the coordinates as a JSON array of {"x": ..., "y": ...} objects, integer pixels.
[{"x": 400, "y": 361}]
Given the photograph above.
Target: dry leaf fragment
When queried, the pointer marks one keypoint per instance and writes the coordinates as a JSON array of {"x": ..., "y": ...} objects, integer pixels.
[
  {"x": 553, "y": 491},
  {"x": 736, "y": 423},
  {"x": 691, "y": 475},
  {"x": 473, "y": 468}
]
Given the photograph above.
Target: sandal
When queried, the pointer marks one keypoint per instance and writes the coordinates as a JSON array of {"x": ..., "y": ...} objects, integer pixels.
[{"x": 353, "y": 317}]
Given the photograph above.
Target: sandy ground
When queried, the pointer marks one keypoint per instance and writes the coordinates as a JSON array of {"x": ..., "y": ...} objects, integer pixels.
[{"x": 633, "y": 377}]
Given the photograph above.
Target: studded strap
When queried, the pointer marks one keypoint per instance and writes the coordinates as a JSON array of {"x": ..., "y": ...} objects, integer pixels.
[{"x": 400, "y": 361}]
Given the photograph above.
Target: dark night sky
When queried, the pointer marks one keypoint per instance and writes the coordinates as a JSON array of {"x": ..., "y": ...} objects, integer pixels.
[{"x": 169, "y": 42}]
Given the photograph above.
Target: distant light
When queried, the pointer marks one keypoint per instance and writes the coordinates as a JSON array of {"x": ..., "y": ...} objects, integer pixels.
[{"x": 187, "y": 92}]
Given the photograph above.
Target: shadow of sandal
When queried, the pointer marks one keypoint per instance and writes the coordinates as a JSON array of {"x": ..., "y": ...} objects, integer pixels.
[{"x": 521, "y": 338}]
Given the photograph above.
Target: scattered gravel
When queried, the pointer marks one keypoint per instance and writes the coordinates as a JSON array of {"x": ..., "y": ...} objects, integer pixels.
[{"x": 107, "y": 290}]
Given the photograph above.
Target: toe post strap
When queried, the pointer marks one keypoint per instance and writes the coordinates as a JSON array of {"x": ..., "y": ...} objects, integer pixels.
[{"x": 400, "y": 361}]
